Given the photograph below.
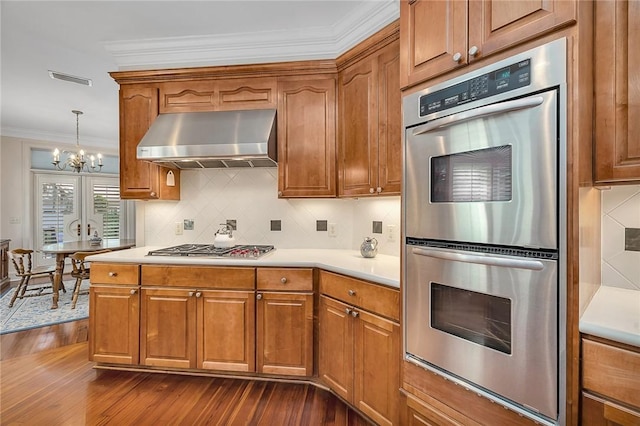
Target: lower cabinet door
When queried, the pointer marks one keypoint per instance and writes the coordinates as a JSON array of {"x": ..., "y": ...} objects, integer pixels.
[
  {"x": 226, "y": 330},
  {"x": 168, "y": 328},
  {"x": 114, "y": 324},
  {"x": 377, "y": 367},
  {"x": 285, "y": 333},
  {"x": 596, "y": 411},
  {"x": 335, "y": 364}
]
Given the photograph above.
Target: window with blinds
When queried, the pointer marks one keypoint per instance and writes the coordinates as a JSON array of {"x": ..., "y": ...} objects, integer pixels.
[
  {"x": 106, "y": 203},
  {"x": 57, "y": 201},
  {"x": 474, "y": 176}
]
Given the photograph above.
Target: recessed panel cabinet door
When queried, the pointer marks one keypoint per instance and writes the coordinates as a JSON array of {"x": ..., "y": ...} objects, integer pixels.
[
  {"x": 306, "y": 138},
  {"x": 285, "y": 333},
  {"x": 617, "y": 91},
  {"x": 225, "y": 330},
  {"x": 114, "y": 324},
  {"x": 168, "y": 328},
  {"x": 335, "y": 365}
]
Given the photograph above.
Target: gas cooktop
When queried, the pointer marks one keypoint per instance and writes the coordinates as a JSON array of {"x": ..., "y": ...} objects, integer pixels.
[{"x": 204, "y": 250}]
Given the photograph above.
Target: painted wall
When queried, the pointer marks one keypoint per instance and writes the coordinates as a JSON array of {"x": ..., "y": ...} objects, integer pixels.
[{"x": 211, "y": 197}]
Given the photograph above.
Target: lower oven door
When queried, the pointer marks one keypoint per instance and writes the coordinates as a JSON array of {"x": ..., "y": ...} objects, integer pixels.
[{"x": 489, "y": 320}]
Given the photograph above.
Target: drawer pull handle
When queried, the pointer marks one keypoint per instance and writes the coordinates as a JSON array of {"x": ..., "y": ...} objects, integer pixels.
[
  {"x": 352, "y": 292},
  {"x": 283, "y": 280},
  {"x": 113, "y": 274}
]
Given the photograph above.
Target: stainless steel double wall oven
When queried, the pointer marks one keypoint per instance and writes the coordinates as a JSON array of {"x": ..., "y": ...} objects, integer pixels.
[{"x": 484, "y": 231}]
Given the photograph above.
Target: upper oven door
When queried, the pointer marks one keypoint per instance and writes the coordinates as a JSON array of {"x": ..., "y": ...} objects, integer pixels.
[{"x": 486, "y": 175}]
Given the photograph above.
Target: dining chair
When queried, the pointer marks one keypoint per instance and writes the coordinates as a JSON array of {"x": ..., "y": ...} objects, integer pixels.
[
  {"x": 23, "y": 264},
  {"x": 80, "y": 271}
]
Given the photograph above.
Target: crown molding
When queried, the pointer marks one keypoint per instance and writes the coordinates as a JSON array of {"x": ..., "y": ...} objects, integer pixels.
[{"x": 259, "y": 47}]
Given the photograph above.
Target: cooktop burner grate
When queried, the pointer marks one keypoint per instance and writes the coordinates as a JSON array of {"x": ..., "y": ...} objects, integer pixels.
[{"x": 208, "y": 250}]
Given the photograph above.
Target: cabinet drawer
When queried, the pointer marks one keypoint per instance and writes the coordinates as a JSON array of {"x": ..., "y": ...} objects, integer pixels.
[
  {"x": 286, "y": 279},
  {"x": 611, "y": 371},
  {"x": 376, "y": 298},
  {"x": 199, "y": 276},
  {"x": 115, "y": 273}
]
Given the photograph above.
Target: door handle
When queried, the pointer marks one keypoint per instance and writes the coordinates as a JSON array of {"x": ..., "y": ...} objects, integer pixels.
[
  {"x": 79, "y": 227},
  {"x": 534, "y": 265},
  {"x": 484, "y": 111},
  {"x": 88, "y": 229}
]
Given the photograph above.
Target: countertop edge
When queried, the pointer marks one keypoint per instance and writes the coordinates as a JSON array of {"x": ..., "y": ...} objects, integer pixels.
[{"x": 383, "y": 269}]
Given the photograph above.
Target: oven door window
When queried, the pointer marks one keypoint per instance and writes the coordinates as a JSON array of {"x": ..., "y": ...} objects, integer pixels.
[
  {"x": 477, "y": 317},
  {"x": 474, "y": 176}
]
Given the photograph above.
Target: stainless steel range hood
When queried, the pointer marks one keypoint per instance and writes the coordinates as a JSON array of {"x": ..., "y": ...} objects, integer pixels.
[{"x": 217, "y": 139}]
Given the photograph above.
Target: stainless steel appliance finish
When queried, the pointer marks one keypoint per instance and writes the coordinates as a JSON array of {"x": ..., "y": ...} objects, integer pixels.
[
  {"x": 216, "y": 139},
  {"x": 484, "y": 235},
  {"x": 505, "y": 347},
  {"x": 209, "y": 250}
]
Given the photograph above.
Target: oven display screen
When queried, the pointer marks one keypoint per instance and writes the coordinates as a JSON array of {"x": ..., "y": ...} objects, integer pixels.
[
  {"x": 477, "y": 317},
  {"x": 472, "y": 176}
]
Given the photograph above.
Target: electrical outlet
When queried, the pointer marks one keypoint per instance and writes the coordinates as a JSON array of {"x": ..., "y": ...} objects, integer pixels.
[
  {"x": 179, "y": 228},
  {"x": 391, "y": 233},
  {"x": 333, "y": 230}
]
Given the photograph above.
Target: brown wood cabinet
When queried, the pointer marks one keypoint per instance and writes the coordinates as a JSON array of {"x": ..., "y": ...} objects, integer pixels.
[
  {"x": 359, "y": 350},
  {"x": 189, "y": 318},
  {"x": 141, "y": 180},
  {"x": 610, "y": 383},
  {"x": 114, "y": 314},
  {"x": 418, "y": 413},
  {"x": 218, "y": 95},
  {"x": 284, "y": 333},
  {"x": 617, "y": 92},
  {"x": 438, "y": 36},
  {"x": 4, "y": 263},
  {"x": 306, "y": 137},
  {"x": 369, "y": 143}
]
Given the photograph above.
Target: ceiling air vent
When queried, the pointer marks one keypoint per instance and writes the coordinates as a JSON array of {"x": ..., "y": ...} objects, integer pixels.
[{"x": 71, "y": 78}]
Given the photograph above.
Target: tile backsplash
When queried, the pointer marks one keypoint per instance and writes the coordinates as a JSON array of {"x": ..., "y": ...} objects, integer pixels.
[
  {"x": 213, "y": 196},
  {"x": 620, "y": 224}
]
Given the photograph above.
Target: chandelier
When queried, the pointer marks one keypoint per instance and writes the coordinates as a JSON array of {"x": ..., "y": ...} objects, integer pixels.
[{"x": 77, "y": 161}]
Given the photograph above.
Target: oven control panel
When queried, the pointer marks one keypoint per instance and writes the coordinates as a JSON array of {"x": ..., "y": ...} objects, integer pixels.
[{"x": 492, "y": 83}]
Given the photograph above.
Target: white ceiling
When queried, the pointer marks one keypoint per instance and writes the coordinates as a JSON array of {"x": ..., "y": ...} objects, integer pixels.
[{"x": 90, "y": 38}]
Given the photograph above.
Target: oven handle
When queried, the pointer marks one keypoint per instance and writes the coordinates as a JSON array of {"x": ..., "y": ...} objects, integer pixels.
[
  {"x": 534, "y": 265},
  {"x": 480, "y": 112}
]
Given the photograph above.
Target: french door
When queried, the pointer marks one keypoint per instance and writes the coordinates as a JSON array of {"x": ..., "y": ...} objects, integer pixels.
[{"x": 74, "y": 208}]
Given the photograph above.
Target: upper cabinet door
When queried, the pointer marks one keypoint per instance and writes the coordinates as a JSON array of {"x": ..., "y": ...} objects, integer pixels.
[
  {"x": 498, "y": 25},
  {"x": 433, "y": 38},
  {"x": 139, "y": 179},
  {"x": 617, "y": 91},
  {"x": 307, "y": 138},
  {"x": 438, "y": 36}
]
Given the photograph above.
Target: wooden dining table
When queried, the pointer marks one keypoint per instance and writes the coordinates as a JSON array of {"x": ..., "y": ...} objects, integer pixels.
[{"x": 66, "y": 249}]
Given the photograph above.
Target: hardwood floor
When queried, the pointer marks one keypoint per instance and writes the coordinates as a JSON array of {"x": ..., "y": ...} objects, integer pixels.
[{"x": 47, "y": 380}]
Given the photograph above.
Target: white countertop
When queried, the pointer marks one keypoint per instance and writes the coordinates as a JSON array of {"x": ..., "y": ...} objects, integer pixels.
[
  {"x": 382, "y": 269},
  {"x": 614, "y": 314}
]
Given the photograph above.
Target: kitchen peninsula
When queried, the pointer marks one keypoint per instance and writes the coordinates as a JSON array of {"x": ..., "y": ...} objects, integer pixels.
[{"x": 327, "y": 317}]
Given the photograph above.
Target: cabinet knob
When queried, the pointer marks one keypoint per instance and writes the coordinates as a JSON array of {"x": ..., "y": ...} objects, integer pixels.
[
  {"x": 113, "y": 274},
  {"x": 354, "y": 314},
  {"x": 347, "y": 311},
  {"x": 283, "y": 280},
  {"x": 133, "y": 291},
  {"x": 152, "y": 194},
  {"x": 379, "y": 189},
  {"x": 371, "y": 191},
  {"x": 352, "y": 292},
  {"x": 190, "y": 294},
  {"x": 279, "y": 193},
  {"x": 457, "y": 56},
  {"x": 259, "y": 296},
  {"x": 473, "y": 51},
  {"x": 198, "y": 294}
]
